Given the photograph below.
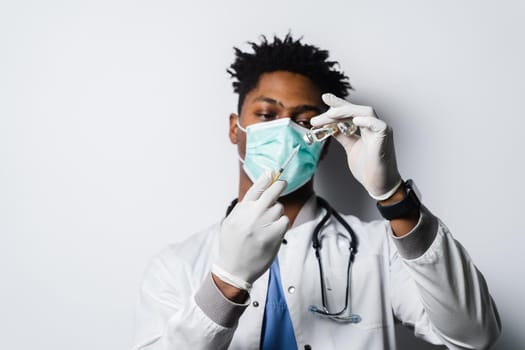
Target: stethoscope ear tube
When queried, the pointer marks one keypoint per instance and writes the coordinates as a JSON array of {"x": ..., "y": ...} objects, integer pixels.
[
  {"x": 354, "y": 242},
  {"x": 316, "y": 244},
  {"x": 330, "y": 211}
]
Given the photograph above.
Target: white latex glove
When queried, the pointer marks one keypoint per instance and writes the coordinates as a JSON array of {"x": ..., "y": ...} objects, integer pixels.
[
  {"x": 371, "y": 156},
  {"x": 251, "y": 235}
]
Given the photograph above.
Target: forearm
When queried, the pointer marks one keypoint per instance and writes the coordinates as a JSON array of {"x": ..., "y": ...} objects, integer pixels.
[
  {"x": 232, "y": 293},
  {"x": 188, "y": 328},
  {"x": 174, "y": 314},
  {"x": 452, "y": 291}
]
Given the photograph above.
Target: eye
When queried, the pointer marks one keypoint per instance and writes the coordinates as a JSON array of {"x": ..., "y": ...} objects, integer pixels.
[
  {"x": 302, "y": 117},
  {"x": 266, "y": 116},
  {"x": 305, "y": 123}
]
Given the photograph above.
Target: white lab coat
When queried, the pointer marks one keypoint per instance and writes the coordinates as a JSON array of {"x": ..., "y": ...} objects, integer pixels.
[{"x": 440, "y": 293}]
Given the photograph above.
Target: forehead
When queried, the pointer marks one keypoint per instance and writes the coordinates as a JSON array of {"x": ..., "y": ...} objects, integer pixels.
[{"x": 291, "y": 89}]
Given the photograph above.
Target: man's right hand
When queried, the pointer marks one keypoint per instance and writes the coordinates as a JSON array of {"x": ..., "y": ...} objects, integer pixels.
[{"x": 251, "y": 235}]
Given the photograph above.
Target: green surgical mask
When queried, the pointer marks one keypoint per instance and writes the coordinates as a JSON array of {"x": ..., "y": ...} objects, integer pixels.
[{"x": 268, "y": 145}]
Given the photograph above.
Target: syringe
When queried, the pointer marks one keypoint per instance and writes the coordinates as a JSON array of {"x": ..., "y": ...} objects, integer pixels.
[{"x": 285, "y": 164}]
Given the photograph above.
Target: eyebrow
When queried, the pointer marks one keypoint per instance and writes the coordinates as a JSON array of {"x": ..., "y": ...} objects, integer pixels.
[
  {"x": 300, "y": 108},
  {"x": 306, "y": 108},
  {"x": 269, "y": 100}
]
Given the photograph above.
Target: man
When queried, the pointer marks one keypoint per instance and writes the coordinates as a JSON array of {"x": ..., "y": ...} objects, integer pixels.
[{"x": 255, "y": 280}]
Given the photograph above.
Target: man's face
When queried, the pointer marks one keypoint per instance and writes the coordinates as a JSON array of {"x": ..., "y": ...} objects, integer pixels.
[{"x": 279, "y": 94}]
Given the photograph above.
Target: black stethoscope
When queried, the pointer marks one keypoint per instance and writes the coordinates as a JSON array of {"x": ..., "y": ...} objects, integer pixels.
[{"x": 345, "y": 314}]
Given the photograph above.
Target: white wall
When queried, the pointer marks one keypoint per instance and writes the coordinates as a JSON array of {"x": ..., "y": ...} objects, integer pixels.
[{"x": 113, "y": 140}]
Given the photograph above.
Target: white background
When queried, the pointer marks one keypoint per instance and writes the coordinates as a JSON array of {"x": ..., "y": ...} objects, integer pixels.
[{"x": 113, "y": 140}]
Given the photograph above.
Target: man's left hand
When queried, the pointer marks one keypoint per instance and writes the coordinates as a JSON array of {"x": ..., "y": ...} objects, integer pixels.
[{"x": 371, "y": 156}]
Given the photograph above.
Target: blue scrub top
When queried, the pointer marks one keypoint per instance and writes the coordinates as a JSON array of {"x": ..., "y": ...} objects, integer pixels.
[{"x": 277, "y": 329}]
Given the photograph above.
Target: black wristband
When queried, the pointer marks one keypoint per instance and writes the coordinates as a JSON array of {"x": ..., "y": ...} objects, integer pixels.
[{"x": 402, "y": 208}]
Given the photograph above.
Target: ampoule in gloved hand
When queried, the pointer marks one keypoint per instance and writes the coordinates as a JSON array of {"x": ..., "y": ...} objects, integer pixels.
[{"x": 318, "y": 134}]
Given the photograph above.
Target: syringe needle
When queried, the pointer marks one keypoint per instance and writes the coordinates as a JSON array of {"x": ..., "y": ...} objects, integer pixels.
[{"x": 285, "y": 164}]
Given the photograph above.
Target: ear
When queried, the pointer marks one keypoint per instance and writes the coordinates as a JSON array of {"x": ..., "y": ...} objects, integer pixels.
[{"x": 233, "y": 128}]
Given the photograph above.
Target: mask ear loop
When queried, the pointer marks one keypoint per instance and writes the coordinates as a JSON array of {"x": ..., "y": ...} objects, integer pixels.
[
  {"x": 239, "y": 125},
  {"x": 243, "y": 130}
]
